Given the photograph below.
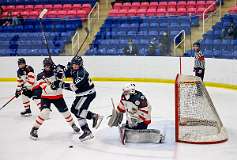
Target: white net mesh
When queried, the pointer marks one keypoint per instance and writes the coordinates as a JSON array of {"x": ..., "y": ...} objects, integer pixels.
[{"x": 198, "y": 121}]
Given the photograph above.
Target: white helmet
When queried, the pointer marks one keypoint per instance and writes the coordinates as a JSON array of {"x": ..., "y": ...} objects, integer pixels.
[{"x": 129, "y": 88}]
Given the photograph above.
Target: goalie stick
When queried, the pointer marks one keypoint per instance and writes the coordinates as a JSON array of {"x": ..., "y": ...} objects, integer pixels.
[{"x": 120, "y": 128}]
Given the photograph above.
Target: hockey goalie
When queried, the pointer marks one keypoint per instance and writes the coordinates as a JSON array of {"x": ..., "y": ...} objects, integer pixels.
[{"x": 138, "y": 116}]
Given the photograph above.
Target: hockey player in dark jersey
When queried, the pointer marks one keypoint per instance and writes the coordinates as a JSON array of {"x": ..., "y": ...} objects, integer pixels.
[
  {"x": 25, "y": 83},
  {"x": 85, "y": 93},
  {"x": 50, "y": 96}
]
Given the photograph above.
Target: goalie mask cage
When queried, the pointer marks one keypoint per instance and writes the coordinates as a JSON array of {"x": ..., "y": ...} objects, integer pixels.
[{"x": 196, "y": 119}]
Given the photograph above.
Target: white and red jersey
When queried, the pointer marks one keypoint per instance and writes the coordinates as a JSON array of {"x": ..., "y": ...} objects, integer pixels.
[
  {"x": 199, "y": 60},
  {"x": 136, "y": 107},
  {"x": 26, "y": 77},
  {"x": 44, "y": 80}
]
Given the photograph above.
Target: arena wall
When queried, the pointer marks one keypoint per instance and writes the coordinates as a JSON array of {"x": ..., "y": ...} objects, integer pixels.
[{"x": 219, "y": 72}]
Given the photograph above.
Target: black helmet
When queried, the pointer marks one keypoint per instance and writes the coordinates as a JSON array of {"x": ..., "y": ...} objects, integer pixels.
[
  {"x": 21, "y": 61},
  {"x": 196, "y": 44},
  {"x": 77, "y": 60},
  {"x": 48, "y": 62}
]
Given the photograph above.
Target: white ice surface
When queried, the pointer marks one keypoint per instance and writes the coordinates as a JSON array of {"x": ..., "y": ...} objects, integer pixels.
[{"x": 55, "y": 136}]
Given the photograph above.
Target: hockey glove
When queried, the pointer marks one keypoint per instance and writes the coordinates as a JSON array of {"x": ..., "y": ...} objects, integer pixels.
[
  {"x": 69, "y": 65},
  {"x": 17, "y": 93},
  {"x": 26, "y": 92},
  {"x": 59, "y": 71},
  {"x": 57, "y": 84}
]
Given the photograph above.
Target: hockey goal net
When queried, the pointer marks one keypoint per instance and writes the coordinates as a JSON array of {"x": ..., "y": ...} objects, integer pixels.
[{"x": 196, "y": 118}]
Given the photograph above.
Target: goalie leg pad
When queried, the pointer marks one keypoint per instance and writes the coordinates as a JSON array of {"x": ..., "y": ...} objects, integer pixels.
[
  {"x": 144, "y": 136},
  {"x": 115, "y": 119}
]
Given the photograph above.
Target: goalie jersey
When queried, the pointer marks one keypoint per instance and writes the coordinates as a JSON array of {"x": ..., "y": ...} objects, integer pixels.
[{"x": 136, "y": 107}]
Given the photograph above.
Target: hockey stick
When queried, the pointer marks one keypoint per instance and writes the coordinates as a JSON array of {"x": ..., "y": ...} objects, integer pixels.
[
  {"x": 87, "y": 35},
  {"x": 7, "y": 102},
  {"x": 42, "y": 13}
]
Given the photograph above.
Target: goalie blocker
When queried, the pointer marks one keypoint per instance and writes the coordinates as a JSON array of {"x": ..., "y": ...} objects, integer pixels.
[{"x": 138, "y": 113}]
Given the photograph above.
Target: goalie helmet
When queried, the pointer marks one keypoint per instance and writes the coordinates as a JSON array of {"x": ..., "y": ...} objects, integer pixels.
[
  {"x": 21, "y": 61},
  {"x": 77, "y": 60},
  {"x": 129, "y": 88}
]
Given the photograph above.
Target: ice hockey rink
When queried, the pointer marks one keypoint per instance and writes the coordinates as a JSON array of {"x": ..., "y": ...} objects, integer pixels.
[{"x": 55, "y": 136}]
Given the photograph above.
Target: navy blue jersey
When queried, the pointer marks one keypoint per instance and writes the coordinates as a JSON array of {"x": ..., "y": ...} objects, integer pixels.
[
  {"x": 81, "y": 80},
  {"x": 44, "y": 74},
  {"x": 24, "y": 71}
]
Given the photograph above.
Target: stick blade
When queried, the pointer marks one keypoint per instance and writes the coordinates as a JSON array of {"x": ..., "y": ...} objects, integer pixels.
[{"x": 42, "y": 13}]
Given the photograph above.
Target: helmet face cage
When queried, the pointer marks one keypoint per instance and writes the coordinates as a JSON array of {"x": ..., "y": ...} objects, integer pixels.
[
  {"x": 77, "y": 60},
  {"x": 129, "y": 88},
  {"x": 48, "y": 62},
  {"x": 21, "y": 61}
]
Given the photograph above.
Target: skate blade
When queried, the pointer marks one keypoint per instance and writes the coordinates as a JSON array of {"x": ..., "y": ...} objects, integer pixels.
[
  {"x": 87, "y": 138},
  {"x": 99, "y": 122},
  {"x": 33, "y": 138},
  {"x": 74, "y": 132},
  {"x": 26, "y": 115}
]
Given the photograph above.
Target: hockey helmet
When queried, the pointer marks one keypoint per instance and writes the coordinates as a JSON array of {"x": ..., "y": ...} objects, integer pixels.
[
  {"x": 197, "y": 44},
  {"x": 129, "y": 88},
  {"x": 21, "y": 61},
  {"x": 47, "y": 62},
  {"x": 77, "y": 60}
]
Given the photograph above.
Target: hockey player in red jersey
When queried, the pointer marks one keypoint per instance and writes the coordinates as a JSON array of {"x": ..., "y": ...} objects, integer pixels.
[
  {"x": 199, "y": 61},
  {"x": 25, "y": 83},
  {"x": 138, "y": 117},
  {"x": 50, "y": 96},
  {"x": 136, "y": 106}
]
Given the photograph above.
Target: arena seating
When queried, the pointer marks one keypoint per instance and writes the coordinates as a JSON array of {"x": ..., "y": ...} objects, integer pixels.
[
  {"x": 161, "y": 8},
  {"x": 116, "y": 31},
  {"x": 27, "y": 39},
  {"x": 214, "y": 45},
  {"x": 34, "y": 2},
  {"x": 54, "y": 10},
  {"x": 233, "y": 10}
]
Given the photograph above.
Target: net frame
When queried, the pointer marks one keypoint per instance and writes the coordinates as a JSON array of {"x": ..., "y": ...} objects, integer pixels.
[{"x": 190, "y": 122}]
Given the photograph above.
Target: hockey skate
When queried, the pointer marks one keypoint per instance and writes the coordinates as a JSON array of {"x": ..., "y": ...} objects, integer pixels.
[
  {"x": 33, "y": 133},
  {"x": 75, "y": 128},
  {"x": 87, "y": 135},
  {"x": 97, "y": 119},
  {"x": 26, "y": 113}
]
